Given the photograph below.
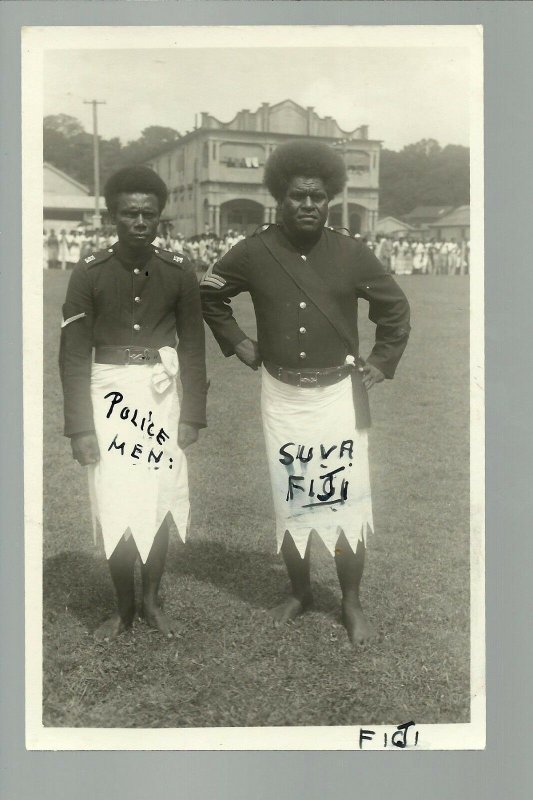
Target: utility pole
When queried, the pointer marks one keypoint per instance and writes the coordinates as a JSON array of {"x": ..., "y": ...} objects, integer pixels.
[
  {"x": 345, "y": 215},
  {"x": 97, "y": 219}
]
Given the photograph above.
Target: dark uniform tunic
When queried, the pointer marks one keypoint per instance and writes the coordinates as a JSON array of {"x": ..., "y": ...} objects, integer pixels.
[
  {"x": 144, "y": 304},
  {"x": 291, "y": 304}
]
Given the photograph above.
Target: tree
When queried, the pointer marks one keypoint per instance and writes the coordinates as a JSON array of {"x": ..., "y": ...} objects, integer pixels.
[
  {"x": 63, "y": 124},
  {"x": 152, "y": 140},
  {"x": 423, "y": 173}
]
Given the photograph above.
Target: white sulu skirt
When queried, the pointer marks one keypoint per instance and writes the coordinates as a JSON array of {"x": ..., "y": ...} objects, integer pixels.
[
  {"x": 141, "y": 476},
  {"x": 318, "y": 463}
]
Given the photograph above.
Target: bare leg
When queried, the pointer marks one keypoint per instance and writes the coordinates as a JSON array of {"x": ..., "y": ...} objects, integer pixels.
[
  {"x": 121, "y": 566},
  {"x": 350, "y": 568},
  {"x": 299, "y": 574},
  {"x": 151, "y": 578}
]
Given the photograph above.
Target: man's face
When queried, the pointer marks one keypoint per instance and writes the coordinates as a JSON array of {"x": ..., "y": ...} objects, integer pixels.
[
  {"x": 304, "y": 209},
  {"x": 136, "y": 218}
]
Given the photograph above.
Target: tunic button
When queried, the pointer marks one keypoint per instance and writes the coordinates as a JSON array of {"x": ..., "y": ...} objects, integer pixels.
[
  {"x": 303, "y": 330},
  {"x": 136, "y": 327},
  {"x": 303, "y": 304},
  {"x": 137, "y": 299},
  {"x": 137, "y": 271},
  {"x": 303, "y": 355}
]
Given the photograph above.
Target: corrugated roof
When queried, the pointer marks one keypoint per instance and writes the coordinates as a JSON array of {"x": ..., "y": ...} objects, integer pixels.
[
  {"x": 431, "y": 212},
  {"x": 69, "y": 178},
  {"x": 72, "y": 201},
  {"x": 459, "y": 216}
]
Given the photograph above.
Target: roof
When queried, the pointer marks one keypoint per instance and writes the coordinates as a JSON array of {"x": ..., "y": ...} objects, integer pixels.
[
  {"x": 71, "y": 201},
  {"x": 427, "y": 212},
  {"x": 459, "y": 216},
  {"x": 69, "y": 178},
  {"x": 400, "y": 222}
]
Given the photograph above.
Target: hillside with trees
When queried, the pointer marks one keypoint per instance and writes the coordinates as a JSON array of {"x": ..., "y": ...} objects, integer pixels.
[{"x": 420, "y": 174}]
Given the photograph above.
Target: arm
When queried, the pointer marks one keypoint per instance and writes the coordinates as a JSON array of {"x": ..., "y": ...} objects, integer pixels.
[
  {"x": 75, "y": 354},
  {"x": 227, "y": 279},
  {"x": 389, "y": 311},
  {"x": 191, "y": 355}
]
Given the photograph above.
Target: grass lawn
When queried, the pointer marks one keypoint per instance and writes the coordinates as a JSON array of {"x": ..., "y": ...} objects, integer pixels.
[{"x": 229, "y": 666}]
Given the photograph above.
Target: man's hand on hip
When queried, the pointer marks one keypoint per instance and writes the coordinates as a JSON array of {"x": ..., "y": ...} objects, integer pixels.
[
  {"x": 247, "y": 351},
  {"x": 85, "y": 448},
  {"x": 372, "y": 375},
  {"x": 187, "y": 435}
]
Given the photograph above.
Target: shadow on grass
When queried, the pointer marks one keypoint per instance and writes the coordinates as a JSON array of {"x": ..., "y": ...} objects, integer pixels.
[
  {"x": 257, "y": 578},
  {"x": 78, "y": 582}
]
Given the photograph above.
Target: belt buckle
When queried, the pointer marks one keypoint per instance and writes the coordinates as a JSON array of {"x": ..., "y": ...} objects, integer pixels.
[
  {"x": 308, "y": 380},
  {"x": 126, "y": 356},
  {"x": 146, "y": 355},
  {"x": 137, "y": 357}
]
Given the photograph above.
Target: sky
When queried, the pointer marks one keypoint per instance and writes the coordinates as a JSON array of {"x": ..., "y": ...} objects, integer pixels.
[{"x": 403, "y": 94}]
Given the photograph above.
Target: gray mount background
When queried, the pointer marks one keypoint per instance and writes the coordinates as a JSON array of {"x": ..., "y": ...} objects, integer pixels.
[{"x": 500, "y": 771}]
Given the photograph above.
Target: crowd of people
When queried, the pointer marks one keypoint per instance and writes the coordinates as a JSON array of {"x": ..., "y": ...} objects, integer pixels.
[
  {"x": 403, "y": 256},
  {"x": 400, "y": 256},
  {"x": 64, "y": 250}
]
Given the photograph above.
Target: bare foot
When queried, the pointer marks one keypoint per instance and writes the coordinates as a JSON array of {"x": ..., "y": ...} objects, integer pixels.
[
  {"x": 157, "y": 619},
  {"x": 358, "y": 629},
  {"x": 111, "y": 628},
  {"x": 291, "y": 608}
]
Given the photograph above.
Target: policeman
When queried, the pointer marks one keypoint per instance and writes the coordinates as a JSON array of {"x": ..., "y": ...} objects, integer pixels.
[
  {"x": 305, "y": 280},
  {"x": 130, "y": 305}
]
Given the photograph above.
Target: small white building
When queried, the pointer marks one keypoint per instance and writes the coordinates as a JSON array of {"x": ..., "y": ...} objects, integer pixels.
[
  {"x": 66, "y": 202},
  {"x": 391, "y": 226}
]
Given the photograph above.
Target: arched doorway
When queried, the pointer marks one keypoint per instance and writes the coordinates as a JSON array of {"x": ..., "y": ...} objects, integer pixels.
[
  {"x": 356, "y": 216},
  {"x": 241, "y": 215}
]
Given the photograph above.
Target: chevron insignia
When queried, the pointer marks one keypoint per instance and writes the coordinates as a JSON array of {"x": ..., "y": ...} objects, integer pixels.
[{"x": 215, "y": 281}]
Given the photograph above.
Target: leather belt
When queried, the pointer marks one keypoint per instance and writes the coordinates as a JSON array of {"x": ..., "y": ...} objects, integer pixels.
[
  {"x": 109, "y": 354},
  {"x": 309, "y": 378}
]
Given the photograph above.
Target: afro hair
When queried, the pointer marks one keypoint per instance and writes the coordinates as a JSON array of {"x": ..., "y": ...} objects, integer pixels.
[
  {"x": 307, "y": 159},
  {"x": 134, "y": 179}
]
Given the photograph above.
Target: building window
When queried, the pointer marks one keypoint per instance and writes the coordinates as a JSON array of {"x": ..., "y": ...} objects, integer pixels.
[{"x": 242, "y": 155}]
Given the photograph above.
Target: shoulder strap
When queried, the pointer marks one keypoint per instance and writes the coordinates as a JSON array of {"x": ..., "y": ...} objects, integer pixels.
[
  {"x": 319, "y": 293},
  {"x": 176, "y": 259},
  {"x": 97, "y": 258}
]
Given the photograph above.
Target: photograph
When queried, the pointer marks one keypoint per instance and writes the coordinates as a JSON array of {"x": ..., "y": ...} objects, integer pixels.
[{"x": 254, "y": 387}]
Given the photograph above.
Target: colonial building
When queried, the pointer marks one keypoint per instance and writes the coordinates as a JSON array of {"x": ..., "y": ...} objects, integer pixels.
[
  {"x": 215, "y": 173},
  {"x": 66, "y": 202}
]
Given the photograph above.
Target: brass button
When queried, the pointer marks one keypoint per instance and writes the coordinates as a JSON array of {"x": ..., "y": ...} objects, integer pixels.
[
  {"x": 137, "y": 299},
  {"x": 303, "y": 304},
  {"x": 136, "y": 327},
  {"x": 137, "y": 271},
  {"x": 303, "y": 355},
  {"x": 303, "y": 330}
]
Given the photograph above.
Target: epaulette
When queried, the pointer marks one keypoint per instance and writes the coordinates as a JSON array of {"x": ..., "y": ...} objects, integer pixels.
[
  {"x": 340, "y": 231},
  {"x": 262, "y": 228},
  {"x": 175, "y": 259},
  {"x": 97, "y": 258}
]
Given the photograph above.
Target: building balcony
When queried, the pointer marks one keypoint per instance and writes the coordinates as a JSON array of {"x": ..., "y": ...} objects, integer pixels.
[{"x": 233, "y": 174}]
